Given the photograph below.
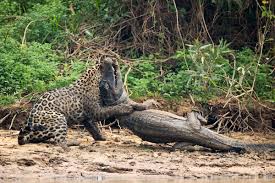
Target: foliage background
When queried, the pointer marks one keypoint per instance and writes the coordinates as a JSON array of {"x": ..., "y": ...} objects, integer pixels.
[{"x": 168, "y": 49}]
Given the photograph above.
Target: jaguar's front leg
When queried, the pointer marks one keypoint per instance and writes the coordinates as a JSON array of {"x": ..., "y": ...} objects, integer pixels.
[
  {"x": 94, "y": 130},
  {"x": 101, "y": 113}
]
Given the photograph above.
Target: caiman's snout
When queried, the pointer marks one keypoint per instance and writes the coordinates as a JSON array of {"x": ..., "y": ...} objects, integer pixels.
[
  {"x": 111, "y": 85},
  {"x": 107, "y": 67}
]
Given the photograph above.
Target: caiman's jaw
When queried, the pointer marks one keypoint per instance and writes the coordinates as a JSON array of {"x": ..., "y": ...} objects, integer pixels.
[
  {"x": 111, "y": 85},
  {"x": 109, "y": 70}
]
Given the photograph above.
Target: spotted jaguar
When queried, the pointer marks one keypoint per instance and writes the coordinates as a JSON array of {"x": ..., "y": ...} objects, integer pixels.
[{"x": 48, "y": 120}]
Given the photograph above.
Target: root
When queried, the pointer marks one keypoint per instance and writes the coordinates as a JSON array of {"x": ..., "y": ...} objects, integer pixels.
[
  {"x": 241, "y": 116},
  {"x": 13, "y": 118},
  {"x": 109, "y": 125},
  {"x": 5, "y": 117}
]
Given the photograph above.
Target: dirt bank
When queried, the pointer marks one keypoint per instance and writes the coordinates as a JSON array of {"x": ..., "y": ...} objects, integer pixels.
[
  {"x": 227, "y": 116},
  {"x": 124, "y": 153}
]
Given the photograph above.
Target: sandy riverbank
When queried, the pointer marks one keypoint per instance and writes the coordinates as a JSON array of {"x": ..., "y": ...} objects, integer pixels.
[{"x": 126, "y": 154}]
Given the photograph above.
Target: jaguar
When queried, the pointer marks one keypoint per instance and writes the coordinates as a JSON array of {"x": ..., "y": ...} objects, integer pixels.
[{"x": 79, "y": 102}]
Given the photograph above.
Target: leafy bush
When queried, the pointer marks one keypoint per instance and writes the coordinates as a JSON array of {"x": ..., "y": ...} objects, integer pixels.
[
  {"x": 31, "y": 68},
  {"x": 245, "y": 71},
  {"x": 26, "y": 68},
  {"x": 142, "y": 80},
  {"x": 9, "y": 8},
  {"x": 43, "y": 23},
  {"x": 33, "y": 32},
  {"x": 204, "y": 71}
]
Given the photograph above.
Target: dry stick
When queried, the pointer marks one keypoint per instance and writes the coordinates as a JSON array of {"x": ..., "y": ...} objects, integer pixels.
[
  {"x": 126, "y": 77},
  {"x": 5, "y": 117},
  {"x": 247, "y": 125},
  {"x": 12, "y": 121},
  {"x": 219, "y": 126},
  {"x": 261, "y": 42},
  {"x": 178, "y": 25},
  {"x": 192, "y": 99},
  {"x": 128, "y": 20},
  {"x": 233, "y": 123},
  {"x": 25, "y": 33},
  {"x": 223, "y": 116},
  {"x": 110, "y": 129},
  {"x": 263, "y": 105},
  {"x": 105, "y": 126},
  {"x": 233, "y": 77},
  {"x": 239, "y": 115},
  {"x": 262, "y": 120},
  {"x": 100, "y": 123},
  {"x": 225, "y": 125},
  {"x": 205, "y": 26},
  {"x": 118, "y": 124}
]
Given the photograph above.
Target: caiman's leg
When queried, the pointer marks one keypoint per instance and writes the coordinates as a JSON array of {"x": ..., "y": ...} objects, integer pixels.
[
  {"x": 143, "y": 106},
  {"x": 187, "y": 146},
  {"x": 181, "y": 145}
]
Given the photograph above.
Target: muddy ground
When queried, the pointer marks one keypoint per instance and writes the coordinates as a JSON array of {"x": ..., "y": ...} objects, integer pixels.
[{"x": 126, "y": 154}]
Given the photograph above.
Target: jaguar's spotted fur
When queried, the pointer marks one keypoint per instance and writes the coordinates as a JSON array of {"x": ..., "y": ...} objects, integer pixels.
[{"x": 80, "y": 101}]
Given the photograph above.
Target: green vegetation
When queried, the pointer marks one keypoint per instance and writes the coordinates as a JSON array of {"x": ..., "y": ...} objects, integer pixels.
[
  {"x": 32, "y": 68},
  {"x": 46, "y": 44},
  {"x": 204, "y": 71}
]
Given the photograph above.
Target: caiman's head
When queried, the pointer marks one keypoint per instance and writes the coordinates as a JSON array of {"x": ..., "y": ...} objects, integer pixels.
[{"x": 111, "y": 85}]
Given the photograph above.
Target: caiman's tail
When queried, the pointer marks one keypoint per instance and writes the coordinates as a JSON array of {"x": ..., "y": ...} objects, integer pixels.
[
  {"x": 221, "y": 142},
  {"x": 257, "y": 147},
  {"x": 224, "y": 143}
]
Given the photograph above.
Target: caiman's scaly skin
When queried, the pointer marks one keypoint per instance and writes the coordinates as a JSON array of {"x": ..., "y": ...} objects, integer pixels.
[
  {"x": 164, "y": 127},
  {"x": 80, "y": 102}
]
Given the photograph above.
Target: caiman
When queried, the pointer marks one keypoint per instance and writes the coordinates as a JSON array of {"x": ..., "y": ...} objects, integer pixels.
[{"x": 164, "y": 127}]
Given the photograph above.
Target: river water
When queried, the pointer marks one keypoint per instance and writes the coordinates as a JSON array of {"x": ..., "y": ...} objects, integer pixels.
[{"x": 136, "y": 180}]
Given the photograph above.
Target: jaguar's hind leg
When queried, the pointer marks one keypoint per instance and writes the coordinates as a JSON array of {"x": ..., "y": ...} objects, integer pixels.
[
  {"x": 58, "y": 130},
  {"x": 32, "y": 134},
  {"x": 50, "y": 128}
]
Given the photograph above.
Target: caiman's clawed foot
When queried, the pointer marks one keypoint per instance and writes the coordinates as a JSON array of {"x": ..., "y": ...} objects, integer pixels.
[
  {"x": 151, "y": 103},
  {"x": 185, "y": 146}
]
